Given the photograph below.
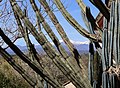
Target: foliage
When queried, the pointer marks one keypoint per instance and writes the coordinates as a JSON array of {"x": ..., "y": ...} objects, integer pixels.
[{"x": 9, "y": 78}]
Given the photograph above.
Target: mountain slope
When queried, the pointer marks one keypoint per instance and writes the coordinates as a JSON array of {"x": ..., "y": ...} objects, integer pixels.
[{"x": 82, "y": 47}]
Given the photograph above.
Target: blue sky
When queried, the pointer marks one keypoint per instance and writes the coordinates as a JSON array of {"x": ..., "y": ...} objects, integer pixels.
[{"x": 75, "y": 11}]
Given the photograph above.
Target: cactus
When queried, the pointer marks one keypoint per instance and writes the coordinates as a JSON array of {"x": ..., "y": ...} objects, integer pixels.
[
  {"x": 105, "y": 80},
  {"x": 113, "y": 80},
  {"x": 110, "y": 44},
  {"x": 104, "y": 61},
  {"x": 90, "y": 64},
  {"x": 95, "y": 84},
  {"x": 100, "y": 5},
  {"x": 116, "y": 33},
  {"x": 119, "y": 34},
  {"x": 111, "y": 33}
]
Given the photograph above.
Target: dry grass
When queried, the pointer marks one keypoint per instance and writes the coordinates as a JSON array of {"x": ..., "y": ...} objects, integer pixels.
[
  {"x": 18, "y": 82},
  {"x": 10, "y": 78}
]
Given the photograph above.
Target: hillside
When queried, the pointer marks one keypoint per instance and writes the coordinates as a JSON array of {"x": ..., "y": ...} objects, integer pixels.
[{"x": 9, "y": 78}]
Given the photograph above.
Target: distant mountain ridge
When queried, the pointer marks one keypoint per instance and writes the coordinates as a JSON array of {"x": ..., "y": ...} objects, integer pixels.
[{"x": 82, "y": 47}]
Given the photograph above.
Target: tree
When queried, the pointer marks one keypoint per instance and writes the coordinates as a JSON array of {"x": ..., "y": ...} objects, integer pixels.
[{"x": 103, "y": 72}]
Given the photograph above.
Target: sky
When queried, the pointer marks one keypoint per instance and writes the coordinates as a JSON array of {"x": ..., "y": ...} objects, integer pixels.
[{"x": 75, "y": 11}]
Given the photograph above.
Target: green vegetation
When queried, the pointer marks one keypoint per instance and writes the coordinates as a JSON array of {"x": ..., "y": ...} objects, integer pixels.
[{"x": 9, "y": 78}]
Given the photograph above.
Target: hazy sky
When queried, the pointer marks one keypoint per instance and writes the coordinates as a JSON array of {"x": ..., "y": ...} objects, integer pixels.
[{"x": 75, "y": 11}]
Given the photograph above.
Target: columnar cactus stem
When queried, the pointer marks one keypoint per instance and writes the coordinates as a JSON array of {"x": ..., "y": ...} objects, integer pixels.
[
  {"x": 90, "y": 63},
  {"x": 116, "y": 33},
  {"x": 105, "y": 80},
  {"x": 104, "y": 59},
  {"x": 119, "y": 34},
  {"x": 111, "y": 33}
]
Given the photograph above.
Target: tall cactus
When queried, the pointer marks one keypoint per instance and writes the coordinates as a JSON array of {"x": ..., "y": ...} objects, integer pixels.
[
  {"x": 104, "y": 61},
  {"x": 110, "y": 42},
  {"x": 110, "y": 47}
]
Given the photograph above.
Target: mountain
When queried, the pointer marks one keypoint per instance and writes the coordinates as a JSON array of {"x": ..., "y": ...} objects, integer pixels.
[
  {"x": 22, "y": 48},
  {"x": 82, "y": 47}
]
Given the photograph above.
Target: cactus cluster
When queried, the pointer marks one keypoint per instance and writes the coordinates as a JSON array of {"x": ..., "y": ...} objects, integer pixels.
[
  {"x": 111, "y": 47},
  {"x": 109, "y": 59},
  {"x": 104, "y": 61}
]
